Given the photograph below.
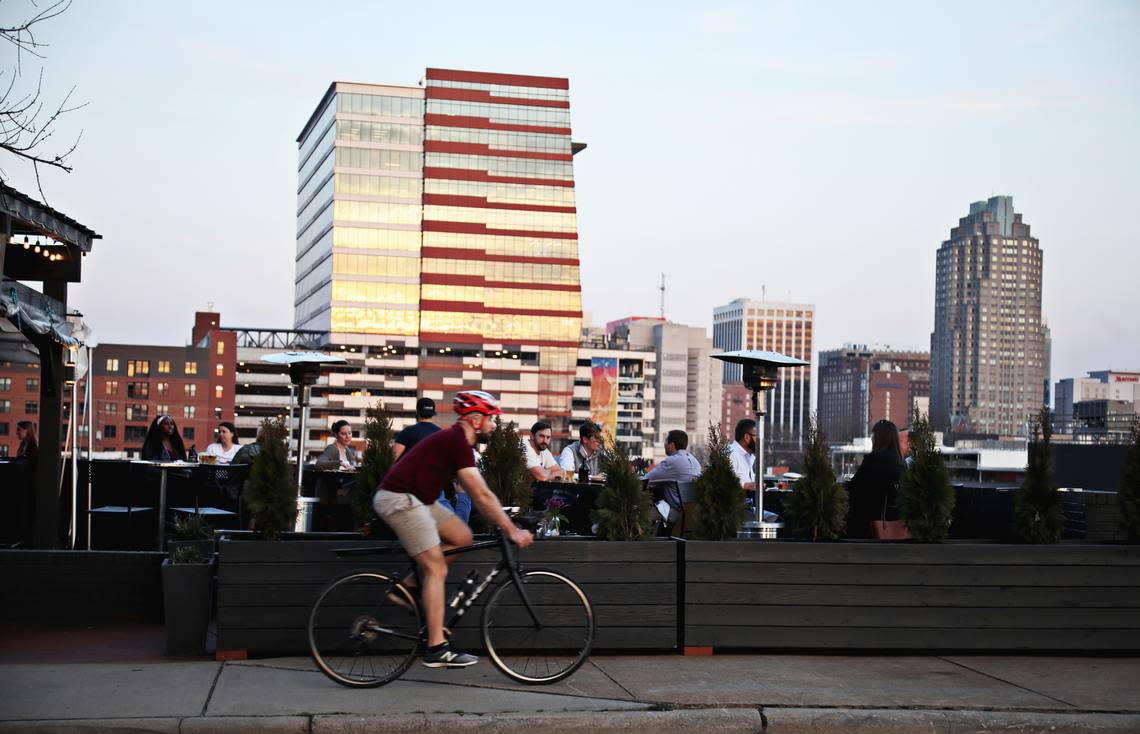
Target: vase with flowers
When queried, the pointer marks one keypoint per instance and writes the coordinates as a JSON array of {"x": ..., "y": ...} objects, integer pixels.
[{"x": 553, "y": 520}]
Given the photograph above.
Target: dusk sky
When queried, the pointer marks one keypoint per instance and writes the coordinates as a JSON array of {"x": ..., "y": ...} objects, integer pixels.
[{"x": 823, "y": 150}]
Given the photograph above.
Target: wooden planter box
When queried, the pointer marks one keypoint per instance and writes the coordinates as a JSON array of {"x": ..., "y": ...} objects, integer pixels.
[
  {"x": 902, "y": 596},
  {"x": 265, "y": 589}
]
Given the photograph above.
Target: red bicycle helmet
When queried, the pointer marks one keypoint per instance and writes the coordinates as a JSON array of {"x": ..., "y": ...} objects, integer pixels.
[{"x": 476, "y": 401}]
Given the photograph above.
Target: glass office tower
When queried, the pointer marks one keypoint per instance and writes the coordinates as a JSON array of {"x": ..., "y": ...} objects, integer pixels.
[{"x": 447, "y": 213}]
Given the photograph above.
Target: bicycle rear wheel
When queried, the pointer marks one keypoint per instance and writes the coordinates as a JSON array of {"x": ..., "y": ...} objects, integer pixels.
[
  {"x": 547, "y": 646},
  {"x": 358, "y": 636}
]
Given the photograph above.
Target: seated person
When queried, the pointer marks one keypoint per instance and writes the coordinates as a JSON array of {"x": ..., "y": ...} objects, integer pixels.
[
  {"x": 29, "y": 448},
  {"x": 539, "y": 461},
  {"x": 163, "y": 442},
  {"x": 586, "y": 451},
  {"x": 226, "y": 447},
  {"x": 340, "y": 454},
  {"x": 873, "y": 490},
  {"x": 742, "y": 453},
  {"x": 678, "y": 465}
]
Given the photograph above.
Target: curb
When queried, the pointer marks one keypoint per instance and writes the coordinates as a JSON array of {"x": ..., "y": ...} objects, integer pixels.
[
  {"x": 705, "y": 721},
  {"x": 907, "y": 721}
]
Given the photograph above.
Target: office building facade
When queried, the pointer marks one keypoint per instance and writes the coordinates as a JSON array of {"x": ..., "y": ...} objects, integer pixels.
[
  {"x": 443, "y": 218},
  {"x": 786, "y": 328},
  {"x": 988, "y": 360},
  {"x": 861, "y": 384},
  {"x": 689, "y": 382}
]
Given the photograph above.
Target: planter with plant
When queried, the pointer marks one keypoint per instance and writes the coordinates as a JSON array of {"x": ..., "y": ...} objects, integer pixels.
[
  {"x": 191, "y": 531},
  {"x": 503, "y": 465},
  {"x": 720, "y": 502},
  {"x": 270, "y": 494},
  {"x": 624, "y": 509},
  {"x": 926, "y": 496},
  {"x": 378, "y": 458},
  {"x": 186, "y": 581},
  {"x": 1037, "y": 515},
  {"x": 817, "y": 508}
]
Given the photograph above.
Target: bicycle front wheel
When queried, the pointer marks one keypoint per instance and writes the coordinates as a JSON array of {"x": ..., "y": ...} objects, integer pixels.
[
  {"x": 545, "y": 641},
  {"x": 364, "y": 630}
]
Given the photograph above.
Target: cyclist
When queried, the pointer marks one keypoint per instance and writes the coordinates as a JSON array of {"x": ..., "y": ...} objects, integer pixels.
[{"x": 406, "y": 500}]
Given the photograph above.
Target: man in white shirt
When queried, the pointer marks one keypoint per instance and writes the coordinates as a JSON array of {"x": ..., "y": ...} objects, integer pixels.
[
  {"x": 539, "y": 461},
  {"x": 743, "y": 454}
]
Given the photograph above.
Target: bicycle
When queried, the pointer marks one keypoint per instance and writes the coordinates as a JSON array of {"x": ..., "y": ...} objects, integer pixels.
[{"x": 366, "y": 628}]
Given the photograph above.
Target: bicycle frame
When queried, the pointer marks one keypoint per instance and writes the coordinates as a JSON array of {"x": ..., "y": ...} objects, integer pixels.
[{"x": 460, "y": 602}]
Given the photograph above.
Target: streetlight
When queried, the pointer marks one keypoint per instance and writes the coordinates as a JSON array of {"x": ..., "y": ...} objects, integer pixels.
[{"x": 760, "y": 373}]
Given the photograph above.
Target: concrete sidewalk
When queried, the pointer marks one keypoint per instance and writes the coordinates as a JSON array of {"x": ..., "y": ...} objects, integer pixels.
[{"x": 745, "y": 693}]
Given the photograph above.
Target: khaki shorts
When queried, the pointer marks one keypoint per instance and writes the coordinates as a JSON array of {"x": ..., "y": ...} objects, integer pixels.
[{"x": 415, "y": 524}]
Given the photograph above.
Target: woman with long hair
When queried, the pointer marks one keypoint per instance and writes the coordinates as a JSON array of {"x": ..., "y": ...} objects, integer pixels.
[
  {"x": 29, "y": 448},
  {"x": 226, "y": 447},
  {"x": 163, "y": 441},
  {"x": 874, "y": 488}
]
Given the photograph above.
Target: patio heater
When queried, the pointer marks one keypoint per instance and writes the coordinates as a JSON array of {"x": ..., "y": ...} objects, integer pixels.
[
  {"x": 760, "y": 372},
  {"x": 304, "y": 370}
]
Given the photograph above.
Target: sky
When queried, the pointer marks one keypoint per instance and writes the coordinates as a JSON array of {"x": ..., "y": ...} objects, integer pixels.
[{"x": 814, "y": 151}]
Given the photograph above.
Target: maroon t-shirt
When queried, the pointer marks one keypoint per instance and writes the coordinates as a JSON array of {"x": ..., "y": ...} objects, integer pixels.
[{"x": 430, "y": 464}]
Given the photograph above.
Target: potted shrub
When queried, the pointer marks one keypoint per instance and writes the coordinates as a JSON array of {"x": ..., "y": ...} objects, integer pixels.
[
  {"x": 191, "y": 531},
  {"x": 926, "y": 496},
  {"x": 504, "y": 466},
  {"x": 624, "y": 508},
  {"x": 270, "y": 494},
  {"x": 720, "y": 500},
  {"x": 186, "y": 580},
  {"x": 1128, "y": 495},
  {"x": 378, "y": 458},
  {"x": 1037, "y": 515},
  {"x": 817, "y": 509}
]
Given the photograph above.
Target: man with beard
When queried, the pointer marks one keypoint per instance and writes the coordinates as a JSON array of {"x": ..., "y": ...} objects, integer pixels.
[
  {"x": 407, "y": 501},
  {"x": 539, "y": 461}
]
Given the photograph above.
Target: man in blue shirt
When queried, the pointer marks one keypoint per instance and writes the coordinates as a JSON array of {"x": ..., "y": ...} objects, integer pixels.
[{"x": 678, "y": 465}]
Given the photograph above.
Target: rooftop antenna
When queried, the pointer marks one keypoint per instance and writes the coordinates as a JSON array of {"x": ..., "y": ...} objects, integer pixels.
[
  {"x": 662, "y": 289},
  {"x": 763, "y": 293}
]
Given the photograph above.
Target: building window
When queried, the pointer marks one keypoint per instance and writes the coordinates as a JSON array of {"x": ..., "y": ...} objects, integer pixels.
[
  {"x": 3, "y": 429},
  {"x": 188, "y": 433},
  {"x": 191, "y": 368},
  {"x": 110, "y": 431},
  {"x": 5, "y": 383},
  {"x": 5, "y": 406},
  {"x": 162, "y": 409},
  {"x": 33, "y": 383},
  {"x": 112, "y": 365},
  {"x": 138, "y": 367},
  {"x": 136, "y": 412},
  {"x": 218, "y": 392},
  {"x": 31, "y": 407},
  {"x": 221, "y": 348},
  {"x": 188, "y": 411},
  {"x": 219, "y": 370},
  {"x": 191, "y": 390},
  {"x": 164, "y": 366},
  {"x": 112, "y": 387},
  {"x": 138, "y": 390},
  {"x": 3, "y": 449},
  {"x": 134, "y": 433},
  {"x": 110, "y": 408},
  {"x": 163, "y": 388}
]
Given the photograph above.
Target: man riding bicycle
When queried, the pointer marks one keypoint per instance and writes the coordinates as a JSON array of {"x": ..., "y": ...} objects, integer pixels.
[{"x": 406, "y": 500}]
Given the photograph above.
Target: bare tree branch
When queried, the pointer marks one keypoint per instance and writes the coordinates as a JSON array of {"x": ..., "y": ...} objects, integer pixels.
[{"x": 27, "y": 124}]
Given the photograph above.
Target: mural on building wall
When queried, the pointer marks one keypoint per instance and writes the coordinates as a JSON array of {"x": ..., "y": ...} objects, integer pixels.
[{"x": 604, "y": 392}]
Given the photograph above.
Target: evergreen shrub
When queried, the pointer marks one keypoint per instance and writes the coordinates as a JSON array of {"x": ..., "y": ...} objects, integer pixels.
[
  {"x": 1037, "y": 515},
  {"x": 926, "y": 496},
  {"x": 720, "y": 500},
  {"x": 817, "y": 508}
]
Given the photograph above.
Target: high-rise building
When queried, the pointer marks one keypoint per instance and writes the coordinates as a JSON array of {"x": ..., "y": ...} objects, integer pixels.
[
  {"x": 443, "y": 217},
  {"x": 614, "y": 387},
  {"x": 860, "y": 385},
  {"x": 988, "y": 345},
  {"x": 778, "y": 327},
  {"x": 688, "y": 381}
]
